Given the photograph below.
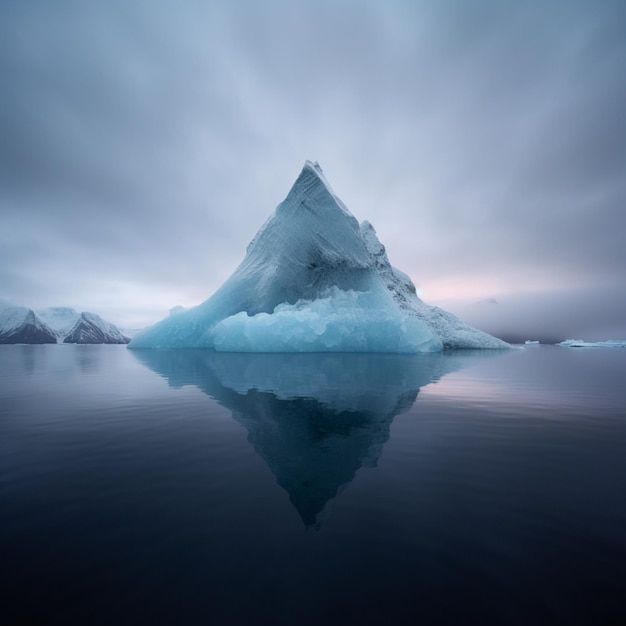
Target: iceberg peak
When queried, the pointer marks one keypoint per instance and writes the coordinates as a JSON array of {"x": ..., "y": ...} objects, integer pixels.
[
  {"x": 316, "y": 169},
  {"x": 313, "y": 192}
]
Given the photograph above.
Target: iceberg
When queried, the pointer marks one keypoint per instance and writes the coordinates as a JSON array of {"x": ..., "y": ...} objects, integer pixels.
[{"x": 314, "y": 280}]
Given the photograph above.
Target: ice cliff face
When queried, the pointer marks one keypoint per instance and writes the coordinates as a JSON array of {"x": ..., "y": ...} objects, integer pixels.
[{"x": 312, "y": 280}]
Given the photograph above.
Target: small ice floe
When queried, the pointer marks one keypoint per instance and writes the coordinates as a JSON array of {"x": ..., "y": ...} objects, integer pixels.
[{"x": 579, "y": 343}]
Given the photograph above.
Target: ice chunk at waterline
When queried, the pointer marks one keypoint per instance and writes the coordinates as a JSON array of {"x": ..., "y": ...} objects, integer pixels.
[
  {"x": 309, "y": 283},
  {"x": 338, "y": 321}
]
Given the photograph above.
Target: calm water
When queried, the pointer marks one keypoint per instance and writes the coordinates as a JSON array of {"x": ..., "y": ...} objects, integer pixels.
[{"x": 193, "y": 488}]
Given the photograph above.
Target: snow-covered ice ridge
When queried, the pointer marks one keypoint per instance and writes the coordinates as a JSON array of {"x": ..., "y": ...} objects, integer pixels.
[
  {"x": 579, "y": 343},
  {"x": 314, "y": 280}
]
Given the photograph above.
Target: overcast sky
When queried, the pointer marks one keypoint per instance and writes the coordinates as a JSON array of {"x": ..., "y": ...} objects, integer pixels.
[{"x": 142, "y": 144}]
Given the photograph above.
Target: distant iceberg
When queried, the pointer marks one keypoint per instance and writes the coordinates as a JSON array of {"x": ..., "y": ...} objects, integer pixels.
[
  {"x": 579, "y": 343},
  {"x": 313, "y": 280}
]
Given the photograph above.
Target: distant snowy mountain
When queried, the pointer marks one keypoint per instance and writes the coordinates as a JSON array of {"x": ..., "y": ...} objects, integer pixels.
[
  {"x": 91, "y": 328},
  {"x": 312, "y": 280},
  {"x": 56, "y": 325},
  {"x": 22, "y": 325}
]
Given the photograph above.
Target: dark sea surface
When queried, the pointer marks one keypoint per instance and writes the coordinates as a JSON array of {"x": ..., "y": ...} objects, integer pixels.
[{"x": 189, "y": 487}]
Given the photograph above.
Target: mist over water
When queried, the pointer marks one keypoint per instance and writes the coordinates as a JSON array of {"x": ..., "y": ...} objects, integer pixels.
[{"x": 595, "y": 314}]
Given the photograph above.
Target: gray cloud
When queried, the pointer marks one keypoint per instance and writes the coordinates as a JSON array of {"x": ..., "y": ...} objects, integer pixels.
[{"x": 143, "y": 144}]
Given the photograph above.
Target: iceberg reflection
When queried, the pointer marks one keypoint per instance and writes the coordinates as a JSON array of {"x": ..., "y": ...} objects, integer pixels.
[{"x": 315, "y": 419}]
